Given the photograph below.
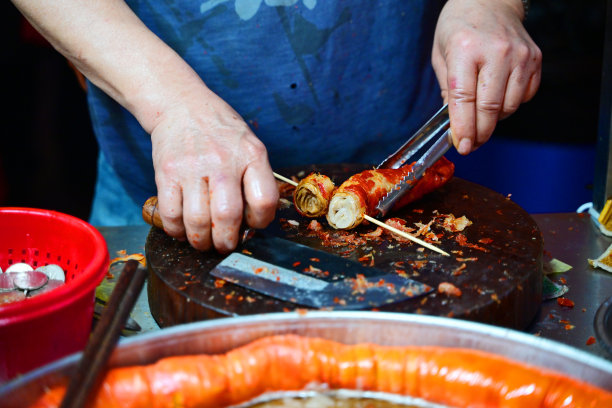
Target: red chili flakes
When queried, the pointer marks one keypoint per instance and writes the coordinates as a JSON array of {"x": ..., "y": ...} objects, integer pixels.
[
  {"x": 247, "y": 252},
  {"x": 367, "y": 259},
  {"x": 229, "y": 296},
  {"x": 418, "y": 264},
  {"x": 339, "y": 301},
  {"x": 297, "y": 263},
  {"x": 562, "y": 280},
  {"x": 315, "y": 259},
  {"x": 418, "y": 210},
  {"x": 219, "y": 283},
  {"x": 459, "y": 270},
  {"x": 373, "y": 234},
  {"x": 569, "y": 327},
  {"x": 315, "y": 226},
  {"x": 471, "y": 259},
  {"x": 360, "y": 284},
  {"x": 449, "y": 289},
  {"x": 316, "y": 271},
  {"x": 565, "y": 302},
  {"x": 590, "y": 341},
  {"x": 485, "y": 240},
  {"x": 462, "y": 240},
  {"x": 258, "y": 270},
  {"x": 495, "y": 298}
]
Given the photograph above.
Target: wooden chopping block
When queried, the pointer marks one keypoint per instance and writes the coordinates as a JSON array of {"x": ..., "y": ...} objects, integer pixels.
[{"x": 496, "y": 262}]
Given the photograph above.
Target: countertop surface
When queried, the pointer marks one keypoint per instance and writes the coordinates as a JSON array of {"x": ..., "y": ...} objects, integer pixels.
[{"x": 568, "y": 237}]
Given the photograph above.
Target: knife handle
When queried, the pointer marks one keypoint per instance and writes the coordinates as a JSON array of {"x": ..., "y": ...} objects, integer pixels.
[{"x": 150, "y": 214}]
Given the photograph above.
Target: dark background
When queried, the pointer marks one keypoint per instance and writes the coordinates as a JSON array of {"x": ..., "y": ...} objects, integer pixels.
[{"x": 543, "y": 155}]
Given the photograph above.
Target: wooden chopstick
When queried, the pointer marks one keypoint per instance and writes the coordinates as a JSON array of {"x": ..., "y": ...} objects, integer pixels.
[
  {"x": 105, "y": 335},
  {"x": 382, "y": 224}
]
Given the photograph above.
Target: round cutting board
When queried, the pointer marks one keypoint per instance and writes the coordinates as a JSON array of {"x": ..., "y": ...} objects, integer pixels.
[{"x": 496, "y": 262}]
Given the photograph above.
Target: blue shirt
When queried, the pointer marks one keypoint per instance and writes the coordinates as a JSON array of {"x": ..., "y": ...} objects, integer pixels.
[{"x": 317, "y": 81}]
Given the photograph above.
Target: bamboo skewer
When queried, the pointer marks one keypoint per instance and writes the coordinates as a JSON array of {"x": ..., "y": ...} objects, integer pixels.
[{"x": 382, "y": 224}]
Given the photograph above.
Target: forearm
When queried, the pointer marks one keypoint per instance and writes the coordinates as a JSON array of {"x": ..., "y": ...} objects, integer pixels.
[
  {"x": 519, "y": 7},
  {"x": 108, "y": 43}
]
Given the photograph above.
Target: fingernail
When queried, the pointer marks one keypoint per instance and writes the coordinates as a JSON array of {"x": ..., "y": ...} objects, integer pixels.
[{"x": 465, "y": 146}]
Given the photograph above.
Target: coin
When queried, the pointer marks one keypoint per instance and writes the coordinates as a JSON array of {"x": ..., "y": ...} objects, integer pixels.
[
  {"x": 53, "y": 271},
  {"x": 29, "y": 280},
  {"x": 19, "y": 267}
]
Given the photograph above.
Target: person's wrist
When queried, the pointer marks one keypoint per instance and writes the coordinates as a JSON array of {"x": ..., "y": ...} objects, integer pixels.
[
  {"x": 526, "y": 4},
  {"x": 520, "y": 6}
]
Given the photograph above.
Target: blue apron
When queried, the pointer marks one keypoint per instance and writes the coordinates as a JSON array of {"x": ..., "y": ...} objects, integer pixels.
[{"x": 317, "y": 81}]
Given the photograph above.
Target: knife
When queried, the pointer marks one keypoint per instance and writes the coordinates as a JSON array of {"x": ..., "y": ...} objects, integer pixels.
[
  {"x": 423, "y": 149},
  {"x": 296, "y": 273}
]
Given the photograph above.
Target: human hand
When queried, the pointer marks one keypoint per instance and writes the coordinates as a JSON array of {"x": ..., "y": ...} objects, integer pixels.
[
  {"x": 486, "y": 64},
  {"x": 210, "y": 170}
]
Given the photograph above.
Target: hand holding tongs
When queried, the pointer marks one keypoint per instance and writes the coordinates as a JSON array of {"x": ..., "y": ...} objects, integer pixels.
[{"x": 436, "y": 133}]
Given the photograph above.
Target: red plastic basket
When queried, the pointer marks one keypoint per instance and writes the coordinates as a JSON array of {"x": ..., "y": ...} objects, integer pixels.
[{"x": 41, "y": 329}]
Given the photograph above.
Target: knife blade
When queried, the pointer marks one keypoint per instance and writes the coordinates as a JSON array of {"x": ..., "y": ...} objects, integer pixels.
[{"x": 269, "y": 265}]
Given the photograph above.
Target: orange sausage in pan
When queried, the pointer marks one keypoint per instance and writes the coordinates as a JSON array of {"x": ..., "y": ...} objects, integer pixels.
[{"x": 452, "y": 376}]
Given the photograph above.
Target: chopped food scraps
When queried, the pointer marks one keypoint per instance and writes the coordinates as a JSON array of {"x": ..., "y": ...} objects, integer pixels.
[{"x": 604, "y": 261}]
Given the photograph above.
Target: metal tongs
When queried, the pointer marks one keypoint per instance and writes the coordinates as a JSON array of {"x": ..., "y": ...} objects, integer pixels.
[{"x": 437, "y": 136}]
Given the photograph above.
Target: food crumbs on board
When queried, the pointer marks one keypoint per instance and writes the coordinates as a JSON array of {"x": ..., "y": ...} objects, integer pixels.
[
  {"x": 247, "y": 252},
  {"x": 123, "y": 257},
  {"x": 449, "y": 289},
  {"x": 219, "y": 283},
  {"x": 590, "y": 341},
  {"x": 569, "y": 327},
  {"x": 459, "y": 270},
  {"x": 565, "y": 302}
]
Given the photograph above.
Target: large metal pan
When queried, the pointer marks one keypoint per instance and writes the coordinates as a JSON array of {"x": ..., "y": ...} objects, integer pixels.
[{"x": 220, "y": 335}]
